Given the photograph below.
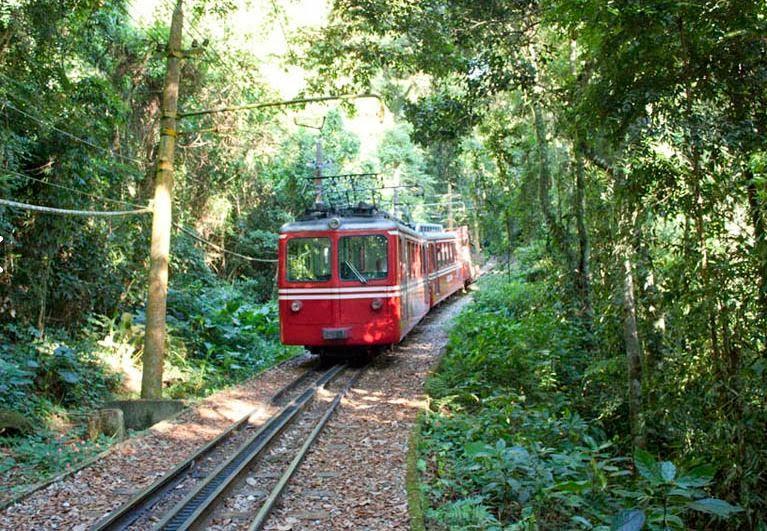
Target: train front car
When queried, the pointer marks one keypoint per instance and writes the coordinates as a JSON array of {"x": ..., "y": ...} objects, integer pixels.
[{"x": 338, "y": 285}]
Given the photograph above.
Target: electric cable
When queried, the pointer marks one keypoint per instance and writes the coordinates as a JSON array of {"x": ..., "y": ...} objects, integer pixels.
[
  {"x": 67, "y": 133},
  {"x": 68, "y": 212},
  {"x": 70, "y": 189},
  {"x": 192, "y": 234}
]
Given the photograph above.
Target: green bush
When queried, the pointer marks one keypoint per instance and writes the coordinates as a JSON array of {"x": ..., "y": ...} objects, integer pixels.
[
  {"x": 39, "y": 374},
  {"x": 221, "y": 337},
  {"x": 512, "y": 442}
]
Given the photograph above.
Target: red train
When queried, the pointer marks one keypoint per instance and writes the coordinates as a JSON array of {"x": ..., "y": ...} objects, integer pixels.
[{"x": 364, "y": 279}]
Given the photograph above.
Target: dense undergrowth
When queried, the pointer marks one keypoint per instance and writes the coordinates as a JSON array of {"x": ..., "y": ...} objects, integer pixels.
[
  {"x": 218, "y": 336},
  {"x": 516, "y": 438}
]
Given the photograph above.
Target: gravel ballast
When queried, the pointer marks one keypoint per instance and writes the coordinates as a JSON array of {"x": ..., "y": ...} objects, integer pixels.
[{"x": 354, "y": 476}]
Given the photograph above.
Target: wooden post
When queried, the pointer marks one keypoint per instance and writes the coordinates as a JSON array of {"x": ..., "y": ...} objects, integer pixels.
[
  {"x": 450, "y": 205},
  {"x": 154, "y": 339}
]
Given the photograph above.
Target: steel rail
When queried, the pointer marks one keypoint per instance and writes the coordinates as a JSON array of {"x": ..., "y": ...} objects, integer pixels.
[
  {"x": 268, "y": 504},
  {"x": 145, "y": 500},
  {"x": 194, "y": 508}
]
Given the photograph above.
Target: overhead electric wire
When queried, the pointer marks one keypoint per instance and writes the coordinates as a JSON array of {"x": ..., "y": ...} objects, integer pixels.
[
  {"x": 70, "y": 189},
  {"x": 296, "y": 101},
  {"x": 192, "y": 234},
  {"x": 68, "y": 134},
  {"x": 68, "y": 212}
]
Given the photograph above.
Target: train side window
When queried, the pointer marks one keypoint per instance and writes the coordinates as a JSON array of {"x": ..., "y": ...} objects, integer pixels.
[
  {"x": 367, "y": 255},
  {"x": 404, "y": 258},
  {"x": 308, "y": 260}
]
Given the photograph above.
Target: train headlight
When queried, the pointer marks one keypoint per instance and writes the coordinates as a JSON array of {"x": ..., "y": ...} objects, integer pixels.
[
  {"x": 296, "y": 306},
  {"x": 377, "y": 304},
  {"x": 334, "y": 223}
]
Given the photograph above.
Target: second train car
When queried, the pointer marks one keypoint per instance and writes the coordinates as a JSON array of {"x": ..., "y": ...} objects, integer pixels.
[{"x": 360, "y": 279}]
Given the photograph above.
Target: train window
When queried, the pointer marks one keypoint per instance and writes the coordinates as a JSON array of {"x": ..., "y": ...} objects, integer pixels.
[
  {"x": 308, "y": 260},
  {"x": 363, "y": 257},
  {"x": 403, "y": 258}
]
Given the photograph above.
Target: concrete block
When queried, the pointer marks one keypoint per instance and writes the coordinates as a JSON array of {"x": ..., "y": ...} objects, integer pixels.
[
  {"x": 141, "y": 414},
  {"x": 107, "y": 421}
]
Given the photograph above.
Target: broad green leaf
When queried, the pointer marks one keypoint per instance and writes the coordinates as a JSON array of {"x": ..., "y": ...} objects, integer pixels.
[
  {"x": 630, "y": 520},
  {"x": 667, "y": 470},
  {"x": 571, "y": 486},
  {"x": 697, "y": 477},
  {"x": 684, "y": 493},
  {"x": 584, "y": 522},
  {"x": 69, "y": 376},
  {"x": 674, "y": 519},
  {"x": 647, "y": 466},
  {"x": 714, "y": 506},
  {"x": 477, "y": 449}
]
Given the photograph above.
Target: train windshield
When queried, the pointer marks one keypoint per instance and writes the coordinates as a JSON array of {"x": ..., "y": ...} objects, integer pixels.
[
  {"x": 363, "y": 258},
  {"x": 308, "y": 259}
]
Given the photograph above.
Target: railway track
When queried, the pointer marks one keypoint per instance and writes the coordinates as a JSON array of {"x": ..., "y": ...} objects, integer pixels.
[{"x": 234, "y": 481}]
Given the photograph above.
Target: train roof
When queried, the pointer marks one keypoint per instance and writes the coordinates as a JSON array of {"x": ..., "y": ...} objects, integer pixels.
[
  {"x": 362, "y": 217},
  {"x": 439, "y": 235},
  {"x": 346, "y": 222}
]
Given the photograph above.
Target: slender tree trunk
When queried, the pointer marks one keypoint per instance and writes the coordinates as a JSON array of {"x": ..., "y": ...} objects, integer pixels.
[
  {"x": 656, "y": 329},
  {"x": 583, "y": 268},
  {"x": 694, "y": 181},
  {"x": 509, "y": 236},
  {"x": 44, "y": 296},
  {"x": 627, "y": 220},
  {"x": 633, "y": 348},
  {"x": 760, "y": 236},
  {"x": 556, "y": 231},
  {"x": 626, "y": 217}
]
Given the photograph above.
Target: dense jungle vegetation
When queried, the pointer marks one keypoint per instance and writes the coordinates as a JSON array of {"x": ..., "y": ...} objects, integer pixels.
[{"x": 614, "y": 152}]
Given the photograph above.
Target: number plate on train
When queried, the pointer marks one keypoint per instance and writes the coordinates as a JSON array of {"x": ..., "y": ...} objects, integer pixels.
[{"x": 335, "y": 333}]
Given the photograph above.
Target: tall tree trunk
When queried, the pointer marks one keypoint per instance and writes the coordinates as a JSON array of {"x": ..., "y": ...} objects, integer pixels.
[
  {"x": 633, "y": 348},
  {"x": 627, "y": 220},
  {"x": 694, "y": 180},
  {"x": 154, "y": 335},
  {"x": 656, "y": 328},
  {"x": 509, "y": 236},
  {"x": 626, "y": 217},
  {"x": 758, "y": 221},
  {"x": 583, "y": 265},
  {"x": 556, "y": 231}
]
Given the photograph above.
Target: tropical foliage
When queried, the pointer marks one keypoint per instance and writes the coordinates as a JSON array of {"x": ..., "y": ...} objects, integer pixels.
[
  {"x": 515, "y": 440},
  {"x": 615, "y": 152}
]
